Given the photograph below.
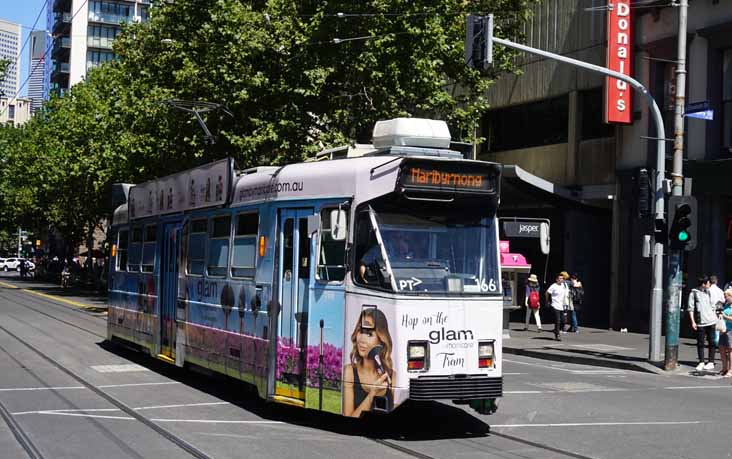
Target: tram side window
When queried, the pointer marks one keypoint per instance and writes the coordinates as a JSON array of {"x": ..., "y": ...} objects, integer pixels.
[
  {"x": 197, "y": 247},
  {"x": 245, "y": 245},
  {"x": 133, "y": 262},
  {"x": 332, "y": 254},
  {"x": 122, "y": 241},
  {"x": 148, "y": 248},
  {"x": 218, "y": 246},
  {"x": 303, "y": 250}
]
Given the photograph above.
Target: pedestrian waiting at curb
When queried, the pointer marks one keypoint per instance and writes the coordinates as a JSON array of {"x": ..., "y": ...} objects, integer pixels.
[
  {"x": 716, "y": 293},
  {"x": 532, "y": 302},
  {"x": 725, "y": 338},
  {"x": 703, "y": 317},
  {"x": 577, "y": 297},
  {"x": 556, "y": 295},
  {"x": 568, "y": 306}
]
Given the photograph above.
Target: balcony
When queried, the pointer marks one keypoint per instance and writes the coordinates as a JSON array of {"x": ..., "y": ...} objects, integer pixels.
[
  {"x": 61, "y": 21},
  {"x": 61, "y": 5},
  {"x": 61, "y": 48},
  {"x": 99, "y": 42},
  {"x": 108, "y": 18},
  {"x": 62, "y": 67}
]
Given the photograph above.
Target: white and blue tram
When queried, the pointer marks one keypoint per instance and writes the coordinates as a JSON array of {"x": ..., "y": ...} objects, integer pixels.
[{"x": 348, "y": 285}]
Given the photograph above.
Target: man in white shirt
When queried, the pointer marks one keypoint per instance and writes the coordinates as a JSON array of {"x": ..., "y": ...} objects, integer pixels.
[
  {"x": 556, "y": 295},
  {"x": 716, "y": 293}
]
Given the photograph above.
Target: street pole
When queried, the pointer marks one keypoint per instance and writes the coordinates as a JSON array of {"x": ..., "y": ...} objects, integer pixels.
[
  {"x": 676, "y": 257},
  {"x": 19, "y": 241},
  {"x": 654, "y": 351}
]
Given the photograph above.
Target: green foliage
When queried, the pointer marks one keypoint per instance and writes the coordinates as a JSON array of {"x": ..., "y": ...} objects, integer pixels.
[
  {"x": 4, "y": 64},
  {"x": 274, "y": 64}
]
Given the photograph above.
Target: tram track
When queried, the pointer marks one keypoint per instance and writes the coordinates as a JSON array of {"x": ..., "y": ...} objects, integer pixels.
[
  {"x": 178, "y": 441},
  {"x": 20, "y": 435}
]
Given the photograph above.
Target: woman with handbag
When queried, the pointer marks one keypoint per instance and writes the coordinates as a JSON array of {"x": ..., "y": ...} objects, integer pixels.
[{"x": 725, "y": 336}]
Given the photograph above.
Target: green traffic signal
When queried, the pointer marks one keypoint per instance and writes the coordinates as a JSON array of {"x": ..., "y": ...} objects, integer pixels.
[{"x": 683, "y": 236}]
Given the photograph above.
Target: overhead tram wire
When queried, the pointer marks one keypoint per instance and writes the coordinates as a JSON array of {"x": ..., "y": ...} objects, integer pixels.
[
  {"x": 42, "y": 59},
  {"x": 27, "y": 39}
]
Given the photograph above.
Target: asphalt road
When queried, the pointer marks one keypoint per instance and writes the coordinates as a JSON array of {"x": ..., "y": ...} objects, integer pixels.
[{"x": 64, "y": 392}]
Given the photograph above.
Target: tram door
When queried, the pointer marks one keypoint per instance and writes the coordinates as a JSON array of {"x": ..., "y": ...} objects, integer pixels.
[
  {"x": 294, "y": 277},
  {"x": 169, "y": 289}
]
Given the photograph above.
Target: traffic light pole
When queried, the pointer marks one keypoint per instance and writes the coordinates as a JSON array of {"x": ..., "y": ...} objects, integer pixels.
[
  {"x": 654, "y": 351},
  {"x": 676, "y": 257}
]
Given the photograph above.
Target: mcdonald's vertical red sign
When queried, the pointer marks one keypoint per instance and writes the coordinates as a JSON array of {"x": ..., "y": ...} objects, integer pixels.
[{"x": 619, "y": 44}]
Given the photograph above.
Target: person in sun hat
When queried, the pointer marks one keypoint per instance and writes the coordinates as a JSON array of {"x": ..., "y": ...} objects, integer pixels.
[{"x": 532, "y": 301}]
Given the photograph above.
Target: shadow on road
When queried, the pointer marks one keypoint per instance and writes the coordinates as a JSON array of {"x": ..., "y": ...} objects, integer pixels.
[{"x": 412, "y": 421}]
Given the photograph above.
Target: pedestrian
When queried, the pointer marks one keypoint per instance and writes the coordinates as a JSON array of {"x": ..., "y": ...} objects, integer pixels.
[
  {"x": 716, "y": 293},
  {"x": 532, "y": 302},
  {"x": 568, "y": 305},
  {"x": 556, "y": 295},
  {"x": 703, "y": 317},
  {"x": 577, "y": 295},
  {"x": 725, "y": 338}
]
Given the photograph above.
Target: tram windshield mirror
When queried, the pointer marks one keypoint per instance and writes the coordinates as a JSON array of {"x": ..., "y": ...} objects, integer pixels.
[{"x": 338, "y": 226}]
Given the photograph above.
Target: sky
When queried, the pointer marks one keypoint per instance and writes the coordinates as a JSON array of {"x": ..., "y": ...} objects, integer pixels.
[{"x": 24, "y": 12}]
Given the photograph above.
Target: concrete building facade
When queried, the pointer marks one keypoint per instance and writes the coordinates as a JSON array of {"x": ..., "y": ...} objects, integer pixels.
[
  {"x": 14, "y": 111},
  {"x": 83, "y": 32},
  {"x": 548, "y": 121},
  {"x": 10, "y": 51}
]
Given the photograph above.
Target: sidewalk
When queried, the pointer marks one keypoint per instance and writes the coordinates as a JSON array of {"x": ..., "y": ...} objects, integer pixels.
[
  {"x": 597, "y": 347},
  {"x": 75, "y": 296}
]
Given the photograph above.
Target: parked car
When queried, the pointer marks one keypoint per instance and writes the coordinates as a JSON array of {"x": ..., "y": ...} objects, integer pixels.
[
  {"x": 14, "y": 263},
  {"x": 2, "y": 263}
]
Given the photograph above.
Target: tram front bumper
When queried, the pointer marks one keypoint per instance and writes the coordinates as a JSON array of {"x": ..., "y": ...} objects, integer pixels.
[{"x": 456, "y": 387}]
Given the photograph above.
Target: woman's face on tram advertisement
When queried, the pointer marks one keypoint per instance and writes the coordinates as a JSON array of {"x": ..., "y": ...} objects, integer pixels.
[
  {"x": 372, "y": 329},
  {"x": 728, "y": 297}
]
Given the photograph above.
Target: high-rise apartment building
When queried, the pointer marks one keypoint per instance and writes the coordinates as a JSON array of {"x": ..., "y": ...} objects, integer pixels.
[
  {"x": 83, "y": 32},
  {"x": 37, "y": 69},
  {"x": 10, "y": 51}
]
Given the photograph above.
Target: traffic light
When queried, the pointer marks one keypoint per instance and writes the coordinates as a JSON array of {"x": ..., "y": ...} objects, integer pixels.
[
  {"x": 682, "y": 212},
  {"x": 479, "y": 41}
]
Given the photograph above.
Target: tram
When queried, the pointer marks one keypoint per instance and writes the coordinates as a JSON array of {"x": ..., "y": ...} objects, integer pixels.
[{"x": 347, "y": 285}]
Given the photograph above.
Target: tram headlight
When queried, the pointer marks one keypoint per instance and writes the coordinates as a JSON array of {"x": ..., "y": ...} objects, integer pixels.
[
  {"x": 417, "y": 355},
  {"x": 485, "y": 354}
]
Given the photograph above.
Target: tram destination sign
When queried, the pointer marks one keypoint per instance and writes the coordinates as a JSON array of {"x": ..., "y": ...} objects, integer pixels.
[{"x": 445, "y": 176}]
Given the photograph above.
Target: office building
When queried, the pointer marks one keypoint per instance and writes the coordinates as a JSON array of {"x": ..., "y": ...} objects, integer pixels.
[
  {"x": 10, "y": 51},
  {"x": 37, "y": 53},
  {"x": 83, "y": 32}
]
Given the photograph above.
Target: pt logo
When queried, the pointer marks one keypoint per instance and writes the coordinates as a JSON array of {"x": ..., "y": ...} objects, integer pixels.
[{"x": 409, "y": 283}]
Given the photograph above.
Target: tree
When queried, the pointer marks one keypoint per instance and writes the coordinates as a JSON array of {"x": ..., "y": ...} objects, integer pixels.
[{"x": 4, "y": 64}]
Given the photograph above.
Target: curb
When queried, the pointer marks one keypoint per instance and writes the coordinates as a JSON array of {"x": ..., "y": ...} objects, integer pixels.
[
  {"x": 644, "y": 367},
  {"x": 76, "y": 304}
]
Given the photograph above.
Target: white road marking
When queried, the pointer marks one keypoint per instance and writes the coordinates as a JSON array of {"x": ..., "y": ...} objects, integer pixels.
[
  {"x": 182, "y": 405},
  {"x": 600, "y": 424},
  {"x": 608, "y": 371},
  {"x": 118, "y": 368},
  {"x": 697, "y": 387},
  {"x": 19, "y": 389},
  {"x": 217, "y": 421},
  {"x": 109, "y": 386},
  {"x": 509, "y": 392},
  {"x": 97, "y": 410},
  {"x": 84, "y": 415},
  {"x": 504, "y": 374},
  {"x": 601, "y": 347}
]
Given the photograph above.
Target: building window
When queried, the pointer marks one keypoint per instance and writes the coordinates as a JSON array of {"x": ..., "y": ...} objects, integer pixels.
[
  {"x": 592, "y": 109},
  {"x": 11, "y": 112},
  {"x": 727, "y": 99},
  {"x": 528, "y": 125}
]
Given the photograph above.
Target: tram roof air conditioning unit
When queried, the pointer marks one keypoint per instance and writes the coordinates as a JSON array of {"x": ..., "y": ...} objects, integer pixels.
[{"x": 411, "y": 132}]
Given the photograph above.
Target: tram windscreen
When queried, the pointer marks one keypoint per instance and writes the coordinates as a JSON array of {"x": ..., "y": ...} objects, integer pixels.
[{"x": 432, "y": 253}]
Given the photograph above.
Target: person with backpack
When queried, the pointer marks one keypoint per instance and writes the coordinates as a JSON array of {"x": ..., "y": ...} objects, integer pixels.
[
  {"x": 577, "y": 294},
  {"x": 532, "y": 301}
]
